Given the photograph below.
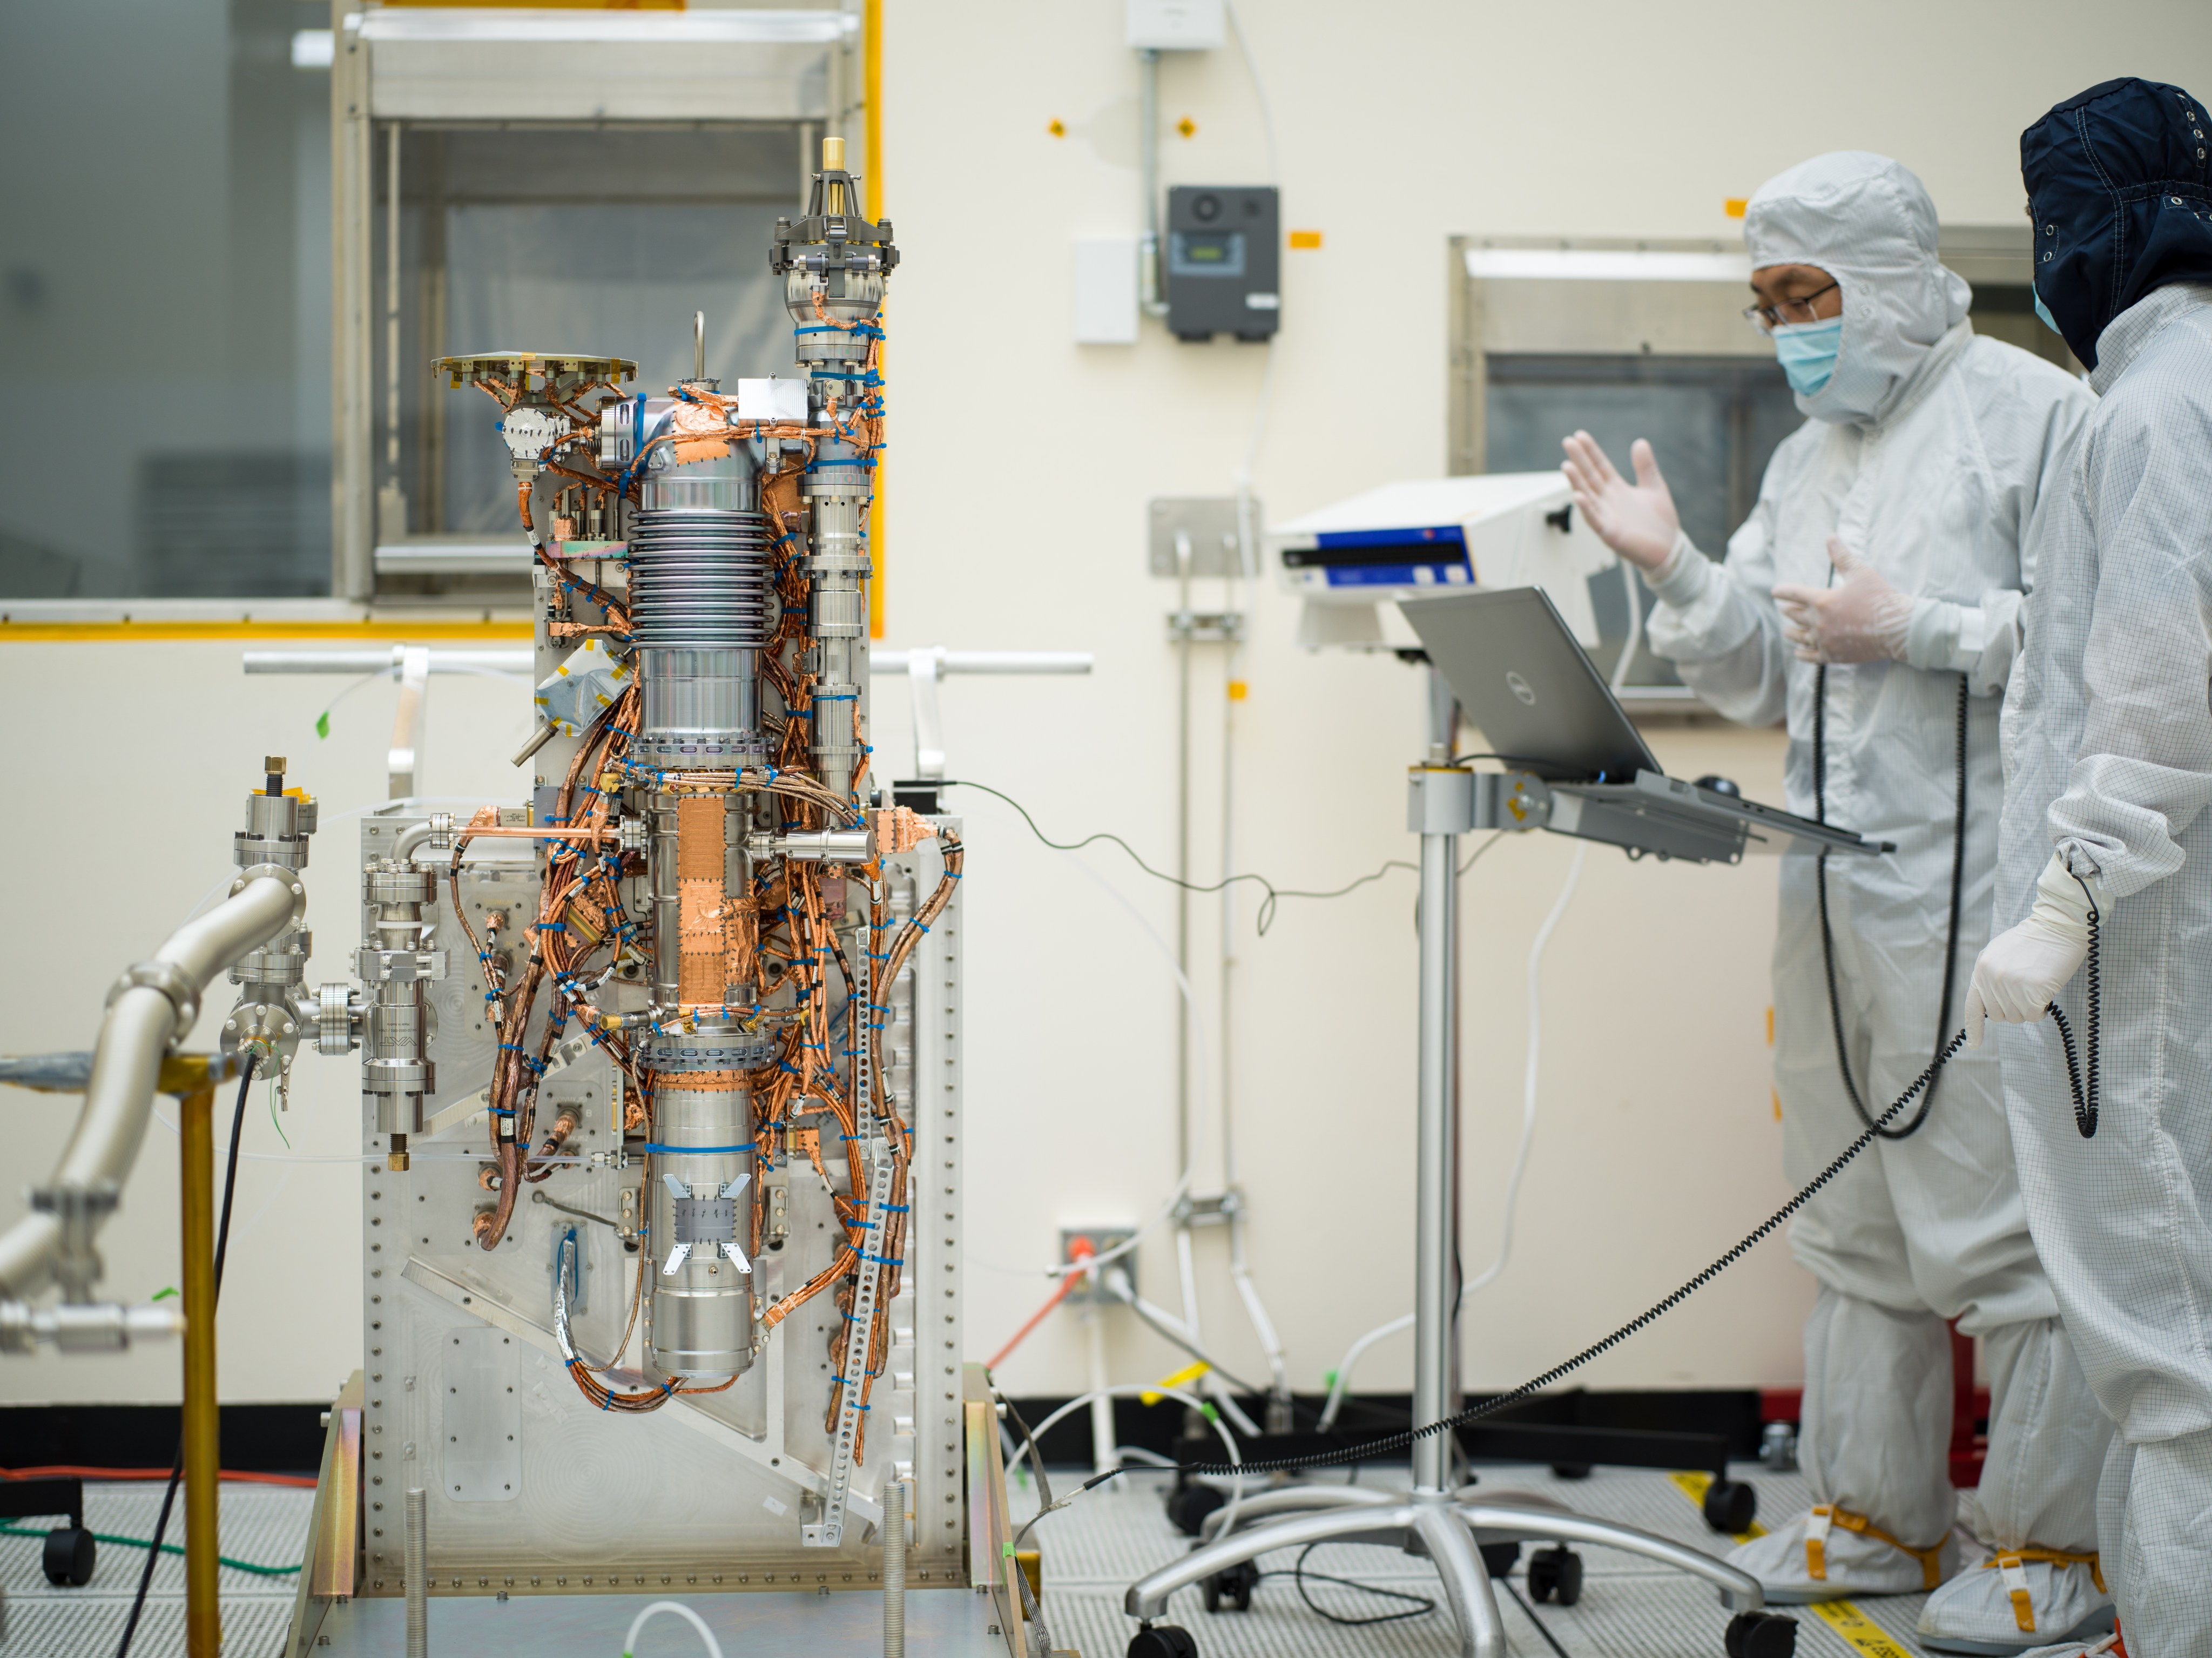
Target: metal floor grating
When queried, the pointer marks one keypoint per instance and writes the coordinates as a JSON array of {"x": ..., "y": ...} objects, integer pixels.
[
  {"x": 262, "y": 1523},
  {"x": 1629, "y": 1608},
  {"x": 1092, "y": 1550}
]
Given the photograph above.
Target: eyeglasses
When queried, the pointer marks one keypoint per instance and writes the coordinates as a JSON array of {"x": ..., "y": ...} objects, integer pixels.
[{"x": 1768, "y": 317}]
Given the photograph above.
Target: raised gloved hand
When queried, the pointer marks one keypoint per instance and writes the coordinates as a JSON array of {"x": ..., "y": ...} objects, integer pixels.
[
  {"x": 1637, "y": 520},
  {"x": 2020, "y": 971},
  {"x": 1861, "y": 618}
]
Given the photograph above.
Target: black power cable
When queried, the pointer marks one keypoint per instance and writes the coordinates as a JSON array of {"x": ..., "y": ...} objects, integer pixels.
[
  {"x": 1300, "y": 1575},
  {"x": 177, "y": 1468},
  {"x": 1828, "y": 937},
  {"x": 2085, "y": 1096}
]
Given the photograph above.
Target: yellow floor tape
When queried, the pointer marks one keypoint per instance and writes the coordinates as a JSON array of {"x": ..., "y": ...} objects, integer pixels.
[{"x": 1841, "y": 1616}]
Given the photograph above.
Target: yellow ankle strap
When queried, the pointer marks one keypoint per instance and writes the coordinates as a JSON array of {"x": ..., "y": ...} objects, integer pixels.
[
  {"x": 2010, "y": 1562},
  {"x": 1827, "y": 1515}
]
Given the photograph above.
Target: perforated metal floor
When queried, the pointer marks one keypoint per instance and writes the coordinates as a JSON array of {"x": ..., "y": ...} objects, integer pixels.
[
  {"x": 1629, "y": 1608},
  {"x": 265, "y": 1524},
  {"x": 1092, "y": 1552}
]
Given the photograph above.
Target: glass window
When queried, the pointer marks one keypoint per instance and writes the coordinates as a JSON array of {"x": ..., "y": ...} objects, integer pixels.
[
  {"x": 164, "y": 301},
  {"x": 1713, "y": 422}
]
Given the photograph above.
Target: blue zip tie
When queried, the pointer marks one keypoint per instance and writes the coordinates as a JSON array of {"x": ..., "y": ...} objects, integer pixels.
[{"x": 702, "y": 1151}]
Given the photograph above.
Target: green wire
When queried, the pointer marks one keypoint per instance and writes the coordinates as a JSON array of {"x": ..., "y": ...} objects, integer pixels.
[{"x": 167, "y": 1548}]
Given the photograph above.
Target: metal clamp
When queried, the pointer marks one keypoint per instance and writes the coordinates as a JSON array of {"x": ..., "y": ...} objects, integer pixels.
[
  {"x": 171, "y": 981},
  {"x": 441, "y": 831},
  {"x": 80, "y": 1209},
  {"x": 336, "y": 1017},
  {"x": 253, "y": 872},
  {"x": 373, "y": 966},
  {"x": 634, "y": 832}
]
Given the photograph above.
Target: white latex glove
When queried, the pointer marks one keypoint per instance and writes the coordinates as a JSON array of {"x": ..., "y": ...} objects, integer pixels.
[
  {"x": 1861, "y": 618},
  {"x": 2021, "y": 970},
  {"x": 1637, "y": 520}
]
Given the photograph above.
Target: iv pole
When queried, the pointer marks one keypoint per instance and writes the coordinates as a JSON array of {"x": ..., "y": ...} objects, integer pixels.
[{"x": 1443, "y": 802}]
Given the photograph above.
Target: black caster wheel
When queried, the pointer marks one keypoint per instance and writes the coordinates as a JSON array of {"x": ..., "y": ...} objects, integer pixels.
[
  {"x": 1572, "y": 1470},
  {"x": 1232, "y": 1585},
  {"x": 1499, "y": 1558},
  {"x": 1555, "y": 1574},
  {"x": 69, "y": 1557},
  {"x": 1761, "y": 1635},
  {"x": 1188, "y": 1505},
  {"x": 1730, "y": 1505},
  {"x": 1163, "y": 1641}
]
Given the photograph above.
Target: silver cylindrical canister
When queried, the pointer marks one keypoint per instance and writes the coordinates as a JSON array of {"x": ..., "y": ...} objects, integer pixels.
[{"x": 701, "y": 1183}]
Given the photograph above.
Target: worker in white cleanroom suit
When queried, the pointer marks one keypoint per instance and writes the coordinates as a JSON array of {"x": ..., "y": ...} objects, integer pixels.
[
  {"x": 1872, "y": 599},
  {"x": 2108, "y": 751}
]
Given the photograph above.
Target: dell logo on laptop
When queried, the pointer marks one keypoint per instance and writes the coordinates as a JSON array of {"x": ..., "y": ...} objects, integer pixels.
[{"x": 1520, "y": 687}]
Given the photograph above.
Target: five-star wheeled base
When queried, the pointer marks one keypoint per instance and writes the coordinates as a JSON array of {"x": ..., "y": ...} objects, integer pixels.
[{"x": 1447, "y": 1528}]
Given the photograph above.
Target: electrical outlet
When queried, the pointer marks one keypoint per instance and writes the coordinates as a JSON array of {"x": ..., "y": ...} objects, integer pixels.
[{"x": 1101, "y": 1239}]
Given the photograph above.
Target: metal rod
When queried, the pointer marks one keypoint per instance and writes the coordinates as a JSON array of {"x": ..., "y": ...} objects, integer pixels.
[
  {"x": 391, "y": 315},
  {"x": 1434, "y": 1292},
  {"x": 1184, "y": 625},
  {"x": 1148, "y": 151},
  {"x": 415, "y": 1562},
  {"x": 202, "y": 1435},
  {"x": 698, "y": 345},
  {"x": 895, "y": 1569}
]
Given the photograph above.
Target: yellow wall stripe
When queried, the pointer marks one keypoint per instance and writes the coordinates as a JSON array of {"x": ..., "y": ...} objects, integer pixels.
[{"x": 370, "y": 630}]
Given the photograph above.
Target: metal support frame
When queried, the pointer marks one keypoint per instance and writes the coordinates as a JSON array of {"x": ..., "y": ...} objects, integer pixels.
[
  {"x": 202, "y": 1435},
  {"x": 1442, "y": 805},
  {"x": 925, "y": 667}
]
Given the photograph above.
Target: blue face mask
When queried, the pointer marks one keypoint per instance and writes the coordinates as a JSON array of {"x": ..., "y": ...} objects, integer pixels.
[
  {"x": 2041, "y": 311},
  {"x": 1807, "y": 352}
]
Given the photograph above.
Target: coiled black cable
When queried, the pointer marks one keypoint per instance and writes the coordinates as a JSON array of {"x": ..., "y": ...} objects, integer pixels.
[
  {"x": 1366, "y": 1449},
  {"x": 2085, "y": 1090},
  {"x": 1828, "y": 937}
]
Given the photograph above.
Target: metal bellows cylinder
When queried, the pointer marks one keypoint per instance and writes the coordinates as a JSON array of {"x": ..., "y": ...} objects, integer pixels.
[{"x": 700, "y": 611}]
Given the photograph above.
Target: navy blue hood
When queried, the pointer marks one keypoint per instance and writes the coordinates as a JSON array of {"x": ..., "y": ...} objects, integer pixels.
[{"x": 2121, "y": 195}]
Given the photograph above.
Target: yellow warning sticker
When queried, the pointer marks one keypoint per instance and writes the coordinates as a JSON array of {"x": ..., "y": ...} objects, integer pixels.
[{"x": 1841, "y": 1616}]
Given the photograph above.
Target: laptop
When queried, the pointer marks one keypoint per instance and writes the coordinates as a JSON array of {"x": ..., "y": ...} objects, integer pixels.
[{"x": 1544, "y": 707}]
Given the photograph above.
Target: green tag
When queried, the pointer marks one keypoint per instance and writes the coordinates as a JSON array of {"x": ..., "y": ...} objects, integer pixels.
[
  {"x": 323, "y": 722},
  {"x": 159, "y": 1294},
  {"x": 1208, "y": 1411}
]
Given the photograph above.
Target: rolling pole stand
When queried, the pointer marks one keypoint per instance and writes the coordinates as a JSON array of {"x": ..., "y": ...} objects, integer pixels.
[{"x": 1443, "y": 802}]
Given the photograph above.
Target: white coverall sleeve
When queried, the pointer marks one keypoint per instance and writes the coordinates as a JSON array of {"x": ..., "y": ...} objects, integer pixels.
[
  {"x": 2033, "y": 463},
  {"x": 1979, "y": 641},
  {"x": 2144, "y": 770},
  {"x": 1720, "y": 625}
]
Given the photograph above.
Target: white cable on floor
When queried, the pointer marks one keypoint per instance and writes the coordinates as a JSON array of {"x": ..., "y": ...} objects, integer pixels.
[
  {"x": 1134, "y": 1390},
  {"x": 629, "y": 1641},
  {"x": 1340, "y": 1383}
]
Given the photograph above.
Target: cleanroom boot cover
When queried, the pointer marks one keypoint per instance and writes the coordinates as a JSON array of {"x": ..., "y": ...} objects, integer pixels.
[
  {"x": 1874, "y": 1441},
  {"x": 1975, "y": 1613},
  {"x": 1855, "y": 1565}
]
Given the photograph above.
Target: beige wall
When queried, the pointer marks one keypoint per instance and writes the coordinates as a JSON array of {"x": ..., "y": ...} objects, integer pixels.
[{"x": 1020, "y": 467}]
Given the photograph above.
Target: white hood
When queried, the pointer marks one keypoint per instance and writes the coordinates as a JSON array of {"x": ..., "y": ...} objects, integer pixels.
[{"x": 1868, "y": 222}]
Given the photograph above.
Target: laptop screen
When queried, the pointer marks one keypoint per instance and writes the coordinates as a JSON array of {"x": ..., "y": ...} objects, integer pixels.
[{"x": 1538, "y": 700}]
